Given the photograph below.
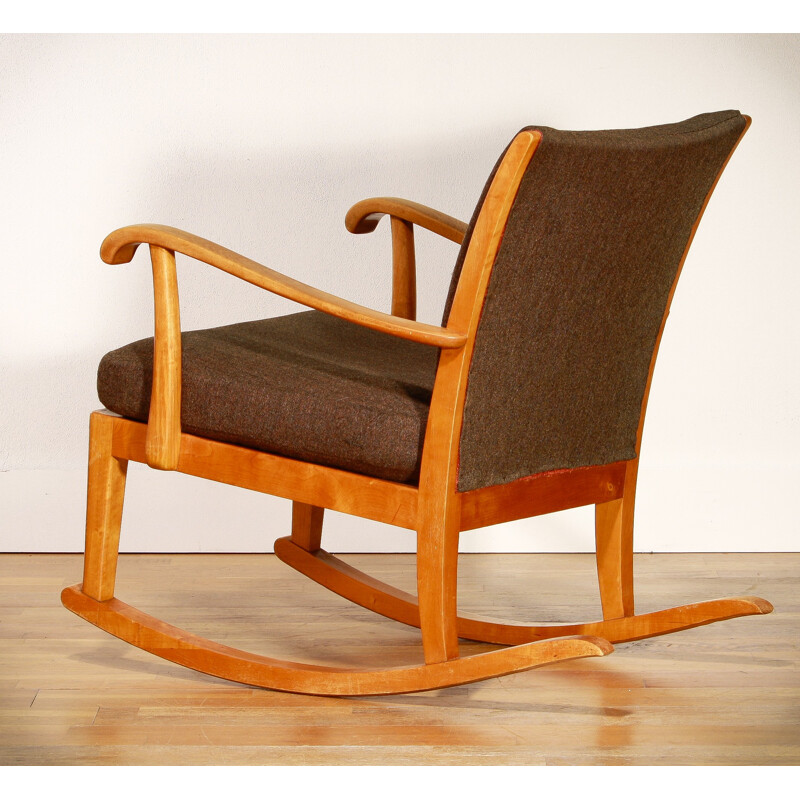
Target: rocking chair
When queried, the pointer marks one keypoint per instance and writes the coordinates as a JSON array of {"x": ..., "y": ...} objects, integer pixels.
[{"x": 528, "y": 399}]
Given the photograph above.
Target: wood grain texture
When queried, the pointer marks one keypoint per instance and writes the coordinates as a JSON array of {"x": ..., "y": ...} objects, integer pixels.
[
  {"x": 541, "y": 494},
  {"x": 105, "y": 495},
  {"x": 404, "y": 270},
  {"x": 366, "y": 591},
  {"x": 438, "y": 510},
  {"x": 719, "y": 695},
  {"x": 211, "y": 658},
  {"x": 613, "y": 524},
  {"x": 439, "y": 502},
  {"x": 119, "y": 248},
  {"x": 307, "y": 526},
  {"x": 365, "y": 215},
  {"x": 383, "y": 501},
  {"x": 164, "y": 420}
]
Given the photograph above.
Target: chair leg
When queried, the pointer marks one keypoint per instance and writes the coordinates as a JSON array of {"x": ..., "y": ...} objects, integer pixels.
[
  {"x": 94, "y": 600},
  {"x": 437, "y": 578},
  {"x": 436, "y": 571},
  {"x": 106, "y": 490},
  {"x": 437, "y": 559},
  {"x": 307, "y": 526},
  {"x": 614, "y": 544}
]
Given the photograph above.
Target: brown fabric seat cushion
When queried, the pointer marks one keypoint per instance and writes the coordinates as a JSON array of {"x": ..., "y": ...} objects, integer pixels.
[{"x": 308, "y": 386}]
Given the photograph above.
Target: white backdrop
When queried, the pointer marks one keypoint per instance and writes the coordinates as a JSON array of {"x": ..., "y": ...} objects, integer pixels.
[{"x": 263, "y": 142}]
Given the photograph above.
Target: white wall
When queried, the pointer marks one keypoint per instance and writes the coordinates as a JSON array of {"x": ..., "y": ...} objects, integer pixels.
[{"x": 263, "y": 142}]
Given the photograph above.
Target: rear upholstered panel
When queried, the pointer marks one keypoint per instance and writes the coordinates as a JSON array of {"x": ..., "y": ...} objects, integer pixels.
[{"x": 577, "y": 294}]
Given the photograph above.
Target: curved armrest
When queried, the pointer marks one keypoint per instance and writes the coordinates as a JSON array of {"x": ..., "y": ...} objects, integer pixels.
[
  {"x": 120, "y": 246},
  {"x": 365, "y": 215}
]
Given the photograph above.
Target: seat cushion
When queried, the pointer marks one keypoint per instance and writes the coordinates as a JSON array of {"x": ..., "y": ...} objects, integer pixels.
[{"x": 308, "y": 386}]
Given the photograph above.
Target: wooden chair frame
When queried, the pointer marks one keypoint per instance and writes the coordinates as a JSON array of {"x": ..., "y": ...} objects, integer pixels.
[{"x": 435, "y": 508}]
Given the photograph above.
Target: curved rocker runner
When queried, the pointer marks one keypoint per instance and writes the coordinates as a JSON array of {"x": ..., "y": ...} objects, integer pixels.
[
  {"x": 529, "y": 398},
  {"x": 354, "y": 585},
  {"x": 203, "y": 655}
]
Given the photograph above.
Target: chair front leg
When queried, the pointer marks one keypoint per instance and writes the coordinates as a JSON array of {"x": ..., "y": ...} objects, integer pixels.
[
  {"x": 614, "y": 543},
  {"x": 106, "y": 490}
]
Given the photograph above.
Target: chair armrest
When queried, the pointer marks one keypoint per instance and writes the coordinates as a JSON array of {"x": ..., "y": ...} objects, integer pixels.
[
  {"x": 120, "y": 246},
  {"x": 365, "y": 215}
]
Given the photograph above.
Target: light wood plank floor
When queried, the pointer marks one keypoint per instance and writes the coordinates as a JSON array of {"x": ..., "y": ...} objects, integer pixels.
[{"x": 727, "y": 693}]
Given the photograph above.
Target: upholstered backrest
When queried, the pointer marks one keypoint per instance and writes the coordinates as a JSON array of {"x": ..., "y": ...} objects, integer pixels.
[{"x": 578, "y": 292}]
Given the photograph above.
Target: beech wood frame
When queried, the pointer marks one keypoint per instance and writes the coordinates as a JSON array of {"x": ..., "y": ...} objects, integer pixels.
[{"x": 435, "y": 508}]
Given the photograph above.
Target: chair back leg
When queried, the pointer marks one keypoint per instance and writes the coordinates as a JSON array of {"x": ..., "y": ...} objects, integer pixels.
[
  {"x": 307, "y": 526},
  {"x": 437, "y": 578},
  {"x": 614, "y": 544}
]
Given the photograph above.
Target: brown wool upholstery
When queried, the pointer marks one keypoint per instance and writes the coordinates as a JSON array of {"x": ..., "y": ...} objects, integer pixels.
[
  {"x": 307, "y": 385},
  {"x": 574, "y": 304},
  {"x": 578, "y": 292}
]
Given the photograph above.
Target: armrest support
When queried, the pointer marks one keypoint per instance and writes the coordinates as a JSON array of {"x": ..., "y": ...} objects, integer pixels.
[
  {"x": 365, "y": 215},
  {"x": 119, "y": 247}
]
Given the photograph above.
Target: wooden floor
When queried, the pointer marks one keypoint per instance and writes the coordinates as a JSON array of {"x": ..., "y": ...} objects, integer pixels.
[{"x": 727, "y": 693}]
